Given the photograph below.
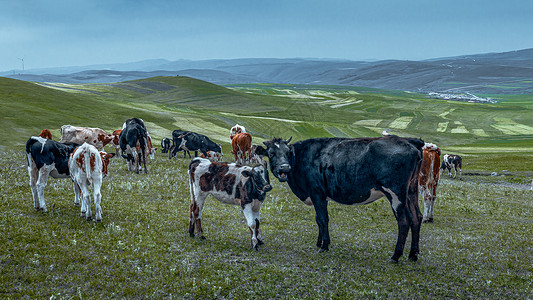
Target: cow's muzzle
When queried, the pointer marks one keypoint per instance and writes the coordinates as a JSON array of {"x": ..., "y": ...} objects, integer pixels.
[
  {"x": 267, "y": 188},
  {"x": 283, "y": 172}
]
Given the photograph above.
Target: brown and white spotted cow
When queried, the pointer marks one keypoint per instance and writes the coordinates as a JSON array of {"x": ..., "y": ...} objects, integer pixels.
[
  {"x": 428, "y": 179},
  {"x": 242, "y": 144},
  {"x": 115, "y": 143},
  {"x": 46, "y": 134},
  {"x": 88, "y": 166},
  {"x": 79, "y": 135},
  {"x": 236, "y": 130},
  {"x": 231, "y": 184},
  {"x": 212, "y": 156}
]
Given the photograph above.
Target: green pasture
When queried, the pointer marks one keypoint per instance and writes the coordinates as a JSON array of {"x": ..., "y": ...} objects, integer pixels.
[{"x": 478, "y": 247}]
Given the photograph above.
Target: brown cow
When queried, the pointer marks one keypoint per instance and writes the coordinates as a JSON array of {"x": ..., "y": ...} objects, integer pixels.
[
  {"x": 241, "y": 143},
  {"x": 46, "y": 134},
  {"x": 79, "y": 135},
  {"x": 428, "y": 179}
]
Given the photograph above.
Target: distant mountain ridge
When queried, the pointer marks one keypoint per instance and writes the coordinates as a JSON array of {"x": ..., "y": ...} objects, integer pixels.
[{"x": 491, "y": 73}]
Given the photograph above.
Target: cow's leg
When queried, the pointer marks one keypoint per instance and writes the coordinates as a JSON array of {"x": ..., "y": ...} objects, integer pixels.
[
  {"x": 97, "y": 185},
  {"x": 251, "y": 213},
  {"x": 322, "y": 220},
  {"x": 136, "y": 162},
  {"x": 399, "y": 207},
  {"x": 195, "y": 154},
  {"x": 86, "y": 202},
  {"x": 77, "y": 193},
  {"x": 143, "y": 156},
  {"x": 34, "y": 176},
  {"x": 41, "y": 184},
  {"x": 172, "y": 152},
  {"x": 83, "y": 207},
  {"x": 196, "y": 207},
  {"x": 249, "y": 157},
  {"x": 415, "y": 216},
  {"x": 427, "y": 204}
]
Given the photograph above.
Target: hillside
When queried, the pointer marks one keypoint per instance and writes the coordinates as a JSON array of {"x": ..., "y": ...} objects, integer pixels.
[
  {"x": 491, "y": 73},
  {"x": 301, "y": 111}
]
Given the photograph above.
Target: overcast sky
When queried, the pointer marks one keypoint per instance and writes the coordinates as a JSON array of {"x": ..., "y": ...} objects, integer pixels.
[{"x": 53, "y": 33}]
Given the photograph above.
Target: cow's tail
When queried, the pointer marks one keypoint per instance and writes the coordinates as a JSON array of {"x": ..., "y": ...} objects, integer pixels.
[
  {"x": 30, "y": 143},
  {"x": 87, "y": 159}
]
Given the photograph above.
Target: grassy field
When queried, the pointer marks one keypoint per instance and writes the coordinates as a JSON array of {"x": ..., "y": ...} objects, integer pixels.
[{"x": 478, "y": 247}]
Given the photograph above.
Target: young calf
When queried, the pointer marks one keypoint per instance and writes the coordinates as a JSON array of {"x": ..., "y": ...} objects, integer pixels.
[
  {"x": 230, "y": 184},
  {"x": 46, "y": 158},
  {"x": 87, "y": 167}
]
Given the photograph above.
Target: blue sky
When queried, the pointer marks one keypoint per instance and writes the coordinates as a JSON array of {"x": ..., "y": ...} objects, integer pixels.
[{"x": 52, "y": 33}]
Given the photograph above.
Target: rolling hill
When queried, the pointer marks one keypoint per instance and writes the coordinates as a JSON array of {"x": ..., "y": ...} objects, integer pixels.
[
  {"x": 267, "y": 110},
  {"x": 491, "y": 73}
]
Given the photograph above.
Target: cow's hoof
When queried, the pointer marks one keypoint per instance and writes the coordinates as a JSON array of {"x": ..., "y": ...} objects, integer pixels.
[
  {"x": 89, "y": 219},
  {"x": 392, "y": 261},
  {"x": 322, "y": 250},
  {"x": 99, "y": 220},
  {"x": 76, "y": 204},
  {"x": 396, "y": 255},
  {"x": 202, "y": 237},
  {"x": 260, "y": 242},
  {"x": 413, "y": 255},
  {"x": 430, "y": 220}
]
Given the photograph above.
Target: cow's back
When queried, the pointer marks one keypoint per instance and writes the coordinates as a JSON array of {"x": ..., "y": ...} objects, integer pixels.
[
  {"x": 47, "y": 152},
  {"x": 346, "y": 170}
]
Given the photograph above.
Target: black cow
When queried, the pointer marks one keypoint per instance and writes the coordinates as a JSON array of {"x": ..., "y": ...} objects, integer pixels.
[
  {"x": 133, "y": 144},
  {"x": 353, "y": 171},
  {"x": 46, "y": 158},
  {"x": 451, "y": 161},
  {"x": 192, "y": 141},
  {"x": 165, "y": 145}
]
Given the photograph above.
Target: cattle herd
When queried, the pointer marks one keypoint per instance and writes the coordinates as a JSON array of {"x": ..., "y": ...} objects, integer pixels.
[{"x": 345, "y": 170}]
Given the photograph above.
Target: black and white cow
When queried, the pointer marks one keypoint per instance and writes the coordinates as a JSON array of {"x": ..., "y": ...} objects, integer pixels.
[
  {"x": 133, "y": 145},
  {"x": 192, "y": 141},
  {"x": 165, "y": 145},
  {"x": 451, "y": 161},
  {"x": 177, "y": 136},
  {"x": 353, "y": 171},
  {"x": 46, "y": 158},
  {"x": 231, "y": 184}
]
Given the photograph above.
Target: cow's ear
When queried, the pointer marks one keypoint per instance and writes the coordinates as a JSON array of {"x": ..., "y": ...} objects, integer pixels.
[
  {"x": 246, "y": 173},
  {"x": 110, "y": 155}
]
